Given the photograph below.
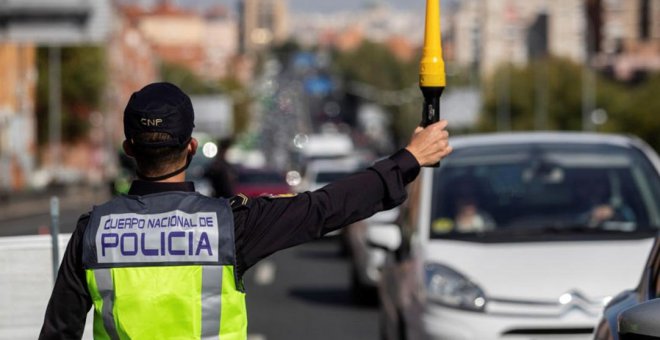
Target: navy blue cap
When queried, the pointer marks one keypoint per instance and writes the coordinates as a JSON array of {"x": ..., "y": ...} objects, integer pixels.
[{"x": 159, "y": 107}]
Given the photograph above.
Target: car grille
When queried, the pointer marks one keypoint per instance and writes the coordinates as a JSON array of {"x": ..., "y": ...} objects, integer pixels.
[
  {"x": 550, "y": 331},
  {"x": 548, "y": 334},
  {"x": 549, "y": 309}
]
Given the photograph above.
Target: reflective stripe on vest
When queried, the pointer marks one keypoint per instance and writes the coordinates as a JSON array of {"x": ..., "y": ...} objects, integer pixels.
[{"x": 163, "y": 266}]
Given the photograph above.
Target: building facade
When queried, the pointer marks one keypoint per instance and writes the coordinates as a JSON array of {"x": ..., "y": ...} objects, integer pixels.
[
  {"x": 263, "y": 23},
  {"x": 203, "y": 42},
  {"x": 18, "y": 76},
  {"x": 132, "y": 64},
  {"x": 622, "y": 35},
  {"x": 489, "y": 32},
  {"x": 221, "y": 42},
  {"x": 630, "y": 37}
]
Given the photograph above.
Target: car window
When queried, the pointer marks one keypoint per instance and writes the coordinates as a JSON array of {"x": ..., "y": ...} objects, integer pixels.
[{"x": 537, "y": 187}]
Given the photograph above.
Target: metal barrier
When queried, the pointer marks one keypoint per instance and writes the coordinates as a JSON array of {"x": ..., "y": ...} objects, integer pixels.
[{"x": 26, "y": 282}]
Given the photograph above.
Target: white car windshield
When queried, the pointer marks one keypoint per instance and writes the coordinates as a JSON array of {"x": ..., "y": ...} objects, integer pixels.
[{"x": 544, "y": 188}]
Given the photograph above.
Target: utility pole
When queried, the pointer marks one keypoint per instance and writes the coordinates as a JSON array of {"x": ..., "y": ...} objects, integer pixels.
[
  {"x": 55, "y": 235},
  {"x": 537, "y": 41},
  {"x": 588, "y": 74},
  {"x": 55, "y": 105},
  {"x": 504, "y": 102},
  {"x": 541, "y": 95},
  {"x": 504, "y": 83}
]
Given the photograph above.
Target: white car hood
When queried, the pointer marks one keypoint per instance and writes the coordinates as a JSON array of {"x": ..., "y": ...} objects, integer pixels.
[{"x": 545, "y": 270}]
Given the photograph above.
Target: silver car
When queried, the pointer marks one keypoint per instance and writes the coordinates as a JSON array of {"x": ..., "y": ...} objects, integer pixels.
[{"x": 366, "y": 261}]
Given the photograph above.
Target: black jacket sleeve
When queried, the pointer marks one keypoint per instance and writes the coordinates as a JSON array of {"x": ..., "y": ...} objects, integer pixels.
[
  {"x": 70, "y": 301},
  {"x": 266, "y": 225}
]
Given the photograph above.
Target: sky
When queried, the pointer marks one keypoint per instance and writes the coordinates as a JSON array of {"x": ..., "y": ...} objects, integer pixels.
[
  {"x": 313, "y": 5},
  {"x": 307, "y": 6},
  {"x": 335, "y": 5}
]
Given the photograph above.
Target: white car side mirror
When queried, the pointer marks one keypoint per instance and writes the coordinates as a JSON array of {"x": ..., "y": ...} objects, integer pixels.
[
  {"x": 384, "y": 217},
  {"x": 386, "y": 236}
]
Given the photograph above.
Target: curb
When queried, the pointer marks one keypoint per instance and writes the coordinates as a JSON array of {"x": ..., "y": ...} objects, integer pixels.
[{"x": 29, "y": 204}]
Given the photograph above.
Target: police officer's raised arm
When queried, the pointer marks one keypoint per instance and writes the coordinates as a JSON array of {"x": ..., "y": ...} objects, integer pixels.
[{"x": 266, "y": 225}]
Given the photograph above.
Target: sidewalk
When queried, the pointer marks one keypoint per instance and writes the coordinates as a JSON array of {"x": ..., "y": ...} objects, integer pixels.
[{"x": 25, "y": 204}]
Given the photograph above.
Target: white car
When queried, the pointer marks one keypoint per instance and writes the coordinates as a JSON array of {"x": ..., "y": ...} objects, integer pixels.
[
  {"x": 520, "y": 236},
  {"x": 320, "y": 173},
  {"x": 366, "y": 261}
]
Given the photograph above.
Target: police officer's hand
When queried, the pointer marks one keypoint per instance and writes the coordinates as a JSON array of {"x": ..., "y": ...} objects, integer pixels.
[{"x": 431, "y": 144}]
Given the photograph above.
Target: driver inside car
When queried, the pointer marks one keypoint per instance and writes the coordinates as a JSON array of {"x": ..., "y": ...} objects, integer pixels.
[{"x": 601, "y": 204}]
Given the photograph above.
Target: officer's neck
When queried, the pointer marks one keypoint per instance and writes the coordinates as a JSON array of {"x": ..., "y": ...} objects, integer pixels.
[{"x": 174, "y": 179}]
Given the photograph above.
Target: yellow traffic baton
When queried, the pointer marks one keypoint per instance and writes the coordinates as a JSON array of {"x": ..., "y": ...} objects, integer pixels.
[{"x": 432, "y": 79}]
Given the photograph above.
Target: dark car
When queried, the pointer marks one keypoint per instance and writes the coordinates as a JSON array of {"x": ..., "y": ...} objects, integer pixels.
[{"x": 260, "y": 182}]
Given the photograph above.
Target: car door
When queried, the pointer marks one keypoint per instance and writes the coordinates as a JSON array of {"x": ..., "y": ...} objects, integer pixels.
[{"x": 650, "y": 285}]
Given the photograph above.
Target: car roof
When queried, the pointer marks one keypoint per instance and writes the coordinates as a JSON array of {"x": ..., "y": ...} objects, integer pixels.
[
  {"x": 328, "y": 145},
  {"x": 559, "y": 137},
  {"x": 542, "y": 137},
  {"x": 321, "y": 165}
]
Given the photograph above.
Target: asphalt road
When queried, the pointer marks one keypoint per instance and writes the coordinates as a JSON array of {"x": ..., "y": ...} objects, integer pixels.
[
  {"x": 303, "y": 293},
  {"x": 31, "y": 216},
  {"x": 39, "y": 222}
]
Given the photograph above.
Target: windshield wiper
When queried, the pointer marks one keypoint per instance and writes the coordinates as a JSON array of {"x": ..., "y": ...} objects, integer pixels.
[
  {"x": 577, "y": 228},
  {"x": 608, "y": 228},
  {"x": 559, "y": 228}
]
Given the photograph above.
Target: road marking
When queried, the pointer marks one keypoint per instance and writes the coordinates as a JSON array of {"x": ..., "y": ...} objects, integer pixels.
[{"x": 265, "y": 273}]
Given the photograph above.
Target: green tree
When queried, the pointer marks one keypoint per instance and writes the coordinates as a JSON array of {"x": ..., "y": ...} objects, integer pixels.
[
  {"x": 284, "y": 51},
  {"x": 631, "y": 109},
  {"x": 634, "y": 110},
  {"x": 192, "y": 84},
  {"x": 83, "y": 82},
  {"x": 562, "y": 82},
  {"x": 186, "y": 79},
  {"x": 375, "y": 65},
  {"x": 241, "y": 101}
]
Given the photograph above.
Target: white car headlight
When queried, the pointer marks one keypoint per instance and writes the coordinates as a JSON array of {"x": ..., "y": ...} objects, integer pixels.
[{"x": 450, "y": 288}]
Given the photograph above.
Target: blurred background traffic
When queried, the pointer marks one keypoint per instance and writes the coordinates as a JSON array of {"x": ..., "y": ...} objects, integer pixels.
[{"x": 291, "y": 95}]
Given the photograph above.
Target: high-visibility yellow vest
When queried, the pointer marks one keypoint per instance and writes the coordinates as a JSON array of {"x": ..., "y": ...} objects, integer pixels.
[{"x": 163, "y": 266}]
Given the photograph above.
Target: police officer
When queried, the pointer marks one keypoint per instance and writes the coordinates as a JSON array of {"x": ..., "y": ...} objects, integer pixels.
[{"x": 164, "y": 262}]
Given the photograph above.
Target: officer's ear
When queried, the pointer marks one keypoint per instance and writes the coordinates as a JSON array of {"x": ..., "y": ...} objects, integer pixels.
[
  {"x": 192, "y": 146},
  {"x": 128, "y": 148}
]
